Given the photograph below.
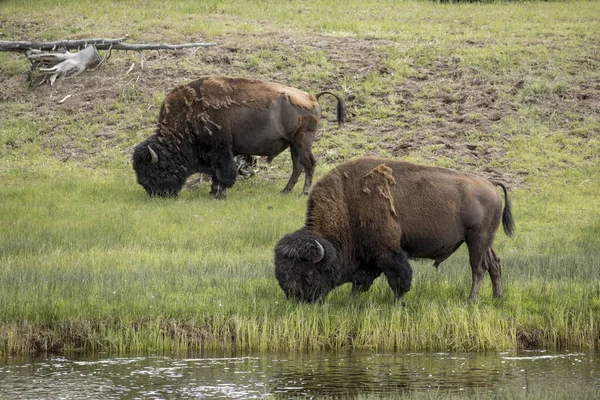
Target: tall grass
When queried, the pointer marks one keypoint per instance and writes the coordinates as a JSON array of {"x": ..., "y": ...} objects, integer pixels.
[{"x": 89, "y": 263}]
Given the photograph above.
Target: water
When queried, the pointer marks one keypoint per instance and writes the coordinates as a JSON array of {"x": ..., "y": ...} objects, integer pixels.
[{"x": 296, "y": 375}]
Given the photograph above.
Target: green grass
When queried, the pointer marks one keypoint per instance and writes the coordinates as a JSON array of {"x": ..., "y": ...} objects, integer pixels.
[
  {"x": 534, "y": 393},
  {"x": 89, "y": 263}
]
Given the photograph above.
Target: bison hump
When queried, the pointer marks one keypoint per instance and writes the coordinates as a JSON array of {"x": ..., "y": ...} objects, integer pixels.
[
  {"x": 221, "y": 91},
  {"x": 377, "y": 183}
]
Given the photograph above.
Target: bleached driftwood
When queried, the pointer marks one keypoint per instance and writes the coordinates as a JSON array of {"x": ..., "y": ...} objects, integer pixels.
[{"x": 63, "y": 65}]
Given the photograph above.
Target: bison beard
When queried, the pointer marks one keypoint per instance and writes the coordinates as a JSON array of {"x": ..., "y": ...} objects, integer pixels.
[
  {"x": 369, "y": 216},
  {"x": 204, "y": 124}
]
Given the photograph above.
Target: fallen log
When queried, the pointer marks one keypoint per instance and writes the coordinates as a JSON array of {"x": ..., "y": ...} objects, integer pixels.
[
  {"x": 61, "y": 44},
  {"x": 100, "y": 44},
  {"x": 65, "y": 64}
]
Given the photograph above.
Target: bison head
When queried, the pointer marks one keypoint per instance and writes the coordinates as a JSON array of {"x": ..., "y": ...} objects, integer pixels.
[
  {"x": 305, "y": 266},
  {"x": 156, "y": 170}
]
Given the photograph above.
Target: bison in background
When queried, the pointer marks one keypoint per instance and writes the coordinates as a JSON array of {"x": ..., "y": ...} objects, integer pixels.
[
  {"x": 204, "y": 124},
  {"x": 369, "y": 216}
]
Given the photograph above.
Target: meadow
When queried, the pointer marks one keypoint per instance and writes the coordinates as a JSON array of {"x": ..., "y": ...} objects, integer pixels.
[{"x": 89, "y": 263}]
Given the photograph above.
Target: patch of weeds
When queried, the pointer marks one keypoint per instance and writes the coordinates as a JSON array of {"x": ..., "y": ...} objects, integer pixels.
[
  {"x": 267, "y": 61},
  {"x": 493, "y": 58},
  {"x": 313, "y": 64},
  {"x": 397, "y": 64},
  {"x": 19, "y": 129},
  {"x": 12, "y": 64},
  {"x": 213, "y": 6},
  {"x": 431, "y": 91},
  {"x": 376, "y": 84},
  {"x": 17, "y": 133},
  {"x": 422, "y": 54},
  {"x": 559, "y": 87},
  {"x": 587, "y": 127},
  {"x": 418, "y": 106},
  {"x": 200, "y": 27},
  {"x": 534, "y": 91},
  {"x": 131, "y": 93},
  {"x": 336, "y": 148}
]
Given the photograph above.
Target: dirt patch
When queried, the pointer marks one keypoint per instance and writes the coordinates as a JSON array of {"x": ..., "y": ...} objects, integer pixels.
[{"x": 441, "y": 110}]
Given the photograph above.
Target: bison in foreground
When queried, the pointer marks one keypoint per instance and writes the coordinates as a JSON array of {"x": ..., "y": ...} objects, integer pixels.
[
  {"x": 369, "y": 216},
  {"x": 204, "y": 124}
]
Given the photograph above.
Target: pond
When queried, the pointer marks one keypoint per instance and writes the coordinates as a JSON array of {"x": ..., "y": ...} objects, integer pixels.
[{"x": 299, "y": 375}]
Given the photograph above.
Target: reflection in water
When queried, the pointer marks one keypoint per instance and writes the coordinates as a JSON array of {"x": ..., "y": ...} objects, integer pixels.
[{"x": 294, "y": 375}]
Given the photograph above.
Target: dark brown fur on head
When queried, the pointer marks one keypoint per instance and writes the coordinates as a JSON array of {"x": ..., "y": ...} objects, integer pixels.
[
  {"x": 297, "y": 270},
  {"x": 155, "y": 170}
]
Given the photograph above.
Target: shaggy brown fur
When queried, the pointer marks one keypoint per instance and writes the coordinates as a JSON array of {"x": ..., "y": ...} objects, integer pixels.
[
  {"x": 374, "y": 213},
  {"x": 204, "y": 124},
  {"x": 218, "y": 92}
]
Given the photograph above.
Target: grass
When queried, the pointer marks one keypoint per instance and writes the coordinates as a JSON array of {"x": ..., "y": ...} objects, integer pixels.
[
  {"x": 89, "y": 263},
  {"x": 491, "y": 394}
]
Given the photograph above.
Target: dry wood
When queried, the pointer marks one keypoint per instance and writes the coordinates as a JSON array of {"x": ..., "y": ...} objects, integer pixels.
[
  {"x": 101, "y": 44},
  {"x": 63, "y": 65},
  {"x": 140, "y": 47},
  {"x": 66, "y": 64}
]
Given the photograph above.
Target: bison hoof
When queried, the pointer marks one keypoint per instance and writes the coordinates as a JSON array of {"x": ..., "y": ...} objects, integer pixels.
[
  {"x": 400, "y": 301},
  {"x": 219, "y": 195}
]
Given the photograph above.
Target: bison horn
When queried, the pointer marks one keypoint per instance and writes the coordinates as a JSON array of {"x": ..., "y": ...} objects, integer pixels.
[
  {"x": 321, "y": 253},
  {"x": 153, "y": 155}
]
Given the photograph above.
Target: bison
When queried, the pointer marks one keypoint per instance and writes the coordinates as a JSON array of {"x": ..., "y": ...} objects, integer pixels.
[
  {"x": 371, "y": 215},
  {"x": 204, "y": 124}
]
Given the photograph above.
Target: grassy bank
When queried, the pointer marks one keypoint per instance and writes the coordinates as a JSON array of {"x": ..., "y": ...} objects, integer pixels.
[
  {"x": 94, "y": 264},
  {"x": 88, "y": 262}
]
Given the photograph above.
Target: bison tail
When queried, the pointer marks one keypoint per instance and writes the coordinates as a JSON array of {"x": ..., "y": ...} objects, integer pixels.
[
  {"x": 341, "y": 108},
  {"x": 507, "y": 219}
]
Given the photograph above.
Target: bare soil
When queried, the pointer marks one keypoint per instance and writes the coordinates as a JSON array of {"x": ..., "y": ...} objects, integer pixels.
[{"x": 460, "y": 108}]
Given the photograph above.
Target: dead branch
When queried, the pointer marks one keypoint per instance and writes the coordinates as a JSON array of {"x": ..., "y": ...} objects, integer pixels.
[
  {"x": 140, "y": 47},
  {"x": 106, "y": 57},
  {"x": 66, "y": 64},
  {"x": 63, "y": 65},
  {"x": 102, "y": 44},
  {"x": 65, "y": 98}
]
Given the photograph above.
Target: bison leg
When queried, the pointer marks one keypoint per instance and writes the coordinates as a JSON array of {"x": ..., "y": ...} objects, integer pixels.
[
  {"x": 495, "y": 270},
  {"x": 302, "y": 161},
  {"x": 309, "y": 170},
  {"x": 225, "y": 170},
  {"x": 398, "y": 272},
  {"x": 224, "y": 175},
  {"x": 301, "y": 150},
  {"x": 217, "y": 189},
  {"x": 479, "y": 246},
  {"x": 296, "y": 171}
]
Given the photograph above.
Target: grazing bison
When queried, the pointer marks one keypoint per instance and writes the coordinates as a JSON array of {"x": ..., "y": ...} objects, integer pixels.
[
  {"x": 205, "y": 123},
  {"x": 369, "y": 216}
]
